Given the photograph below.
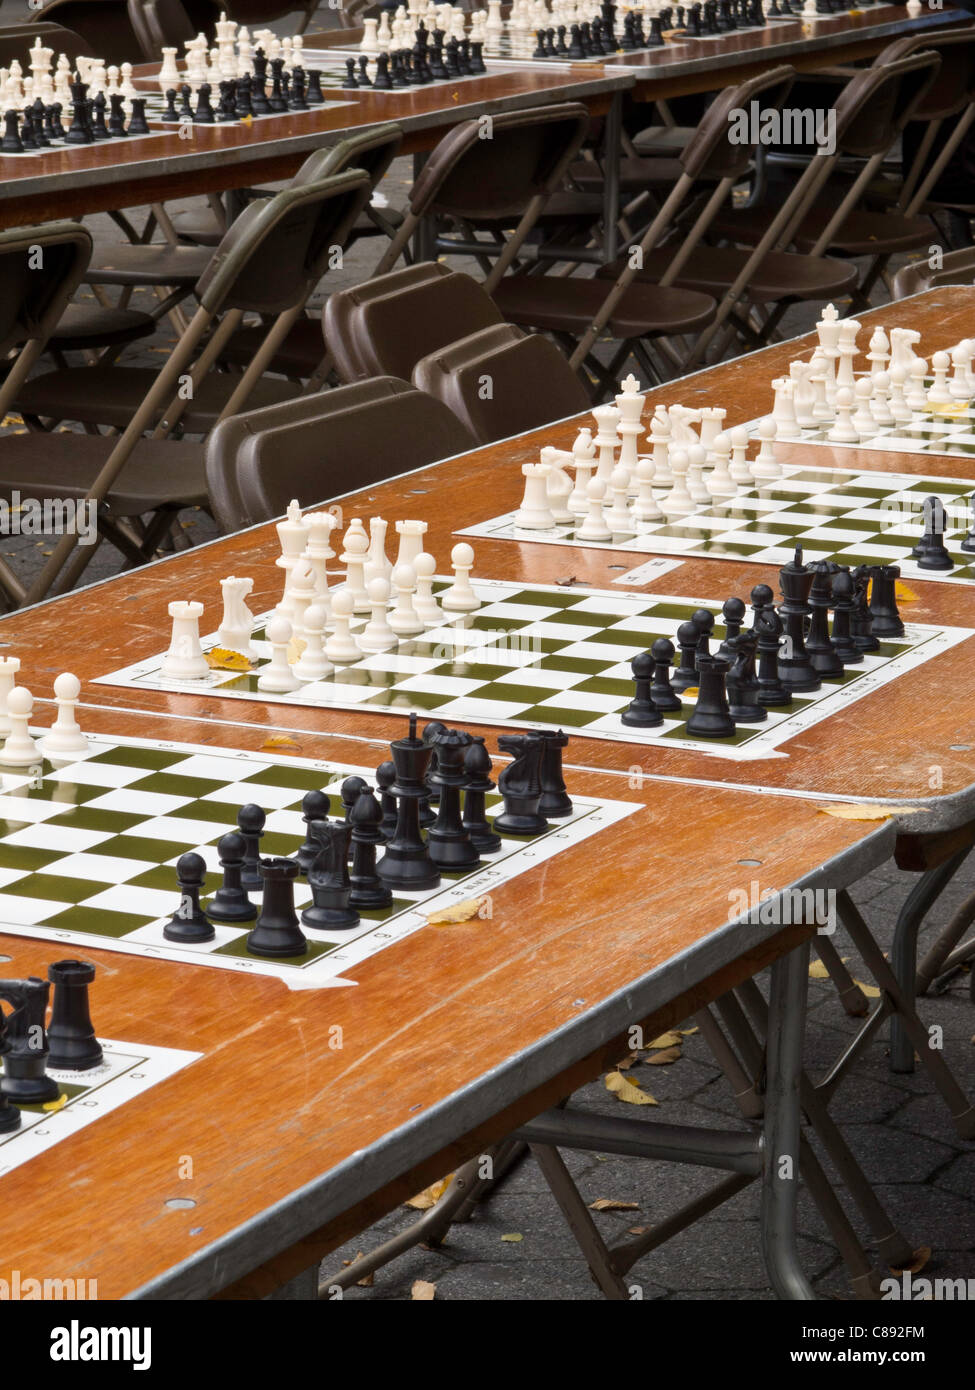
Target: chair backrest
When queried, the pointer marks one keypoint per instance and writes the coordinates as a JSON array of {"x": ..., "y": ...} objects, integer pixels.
[
  {"x": 386, "y": 325},
  {"x": 956, "y": 268},
  {"x": 715, "y": 150},
  {"x": 159, "y": 24},
  {"x": 17, "y": 39},
  {"x": 103, "y": 26},
  {"x": 877, "y": 103},
  {"x": 372, "y": 149},
  {"x": 277, "y": 250},
  {"x": 955, "y": 87},
  {"x": 500, "y": 382},
  {"x": 321, "y": 446}
]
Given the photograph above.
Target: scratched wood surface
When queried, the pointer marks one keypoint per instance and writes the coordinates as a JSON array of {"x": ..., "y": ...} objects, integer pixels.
[
  {"x": 883, "y": 745},
  {"x": 272, "y": 1106}
]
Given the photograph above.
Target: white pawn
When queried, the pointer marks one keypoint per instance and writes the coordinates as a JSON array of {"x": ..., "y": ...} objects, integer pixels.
[
  {"x": 960, "y": 386},
  {"x": 899, "y": 408},
  {"x": 313, "y": 664},
  {"x": 739, "y": 467},
  {"x": 342, "y": 647},
  {"x": 594, "y": 527},
  {"x": 678, "y": 501},
  {"x": 64, "y": 735},
  {"x": 9, "y": 666},
  {"x": 377, "y": 634},
  {"x": 939, "y": 396},
  {"x": 696, "y": 486},
  {"x": 185, "y": 660},
  {"x": 535, "y": 514},
  {"x": 645, "y": 508},
  {"x": 277, "y": 677},
  {"x": 404, "y": 619},
  {"x": 354, "y": 557},
  {"x": 843, "y": 430},
  {"x": 917, "y": 396},
  {"x": 765, "y": 464},
  {"x": 721, "y": 483},
  {"x": 460, "y": 597},
  {"x": 426, "y": 605},
  {"x": 863, "y": 421},
  {"x": 618, "y": 516},
  {"x": 20, "y": 750},
  {"x": 879, "y": 403}
]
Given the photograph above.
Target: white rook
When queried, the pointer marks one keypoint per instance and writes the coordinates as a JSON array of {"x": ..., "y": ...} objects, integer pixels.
[{"x": 185, "y": 660}]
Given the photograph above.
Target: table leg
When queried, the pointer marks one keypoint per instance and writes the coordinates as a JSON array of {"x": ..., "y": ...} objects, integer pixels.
[{"x": 612, "y": 151}]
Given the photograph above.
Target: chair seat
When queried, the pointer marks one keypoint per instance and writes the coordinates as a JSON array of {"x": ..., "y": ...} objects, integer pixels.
[
  {"x": 568, "y": 306},
  {"x": 110, "y": 396},
  {"x": 862, "y": 234},
  {"x": 781, "y": 275},
  {"x": 298, "y": 355},
  {"x": 84, "y": 326},
  {"x": 160, "y": 264},
  {"x": 200, "y": 226},
  {"x": 662, "y": 139},
  {"x": 64, "y": 465},
  {"x": 636, "y": 173}
]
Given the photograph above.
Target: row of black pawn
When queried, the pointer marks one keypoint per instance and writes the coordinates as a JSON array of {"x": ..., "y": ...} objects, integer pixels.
[
  {"x": 754, "y": 671},
  {"x": 246, "y": 96},
  {"x": 98, "y": 118},
  {"x": 29, "y": 1045},
  {"x": 435, "y": 768}
]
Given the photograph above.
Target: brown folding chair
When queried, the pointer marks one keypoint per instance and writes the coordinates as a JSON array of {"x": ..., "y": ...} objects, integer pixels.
[
  {"x": 386, "y": 325},
  {"x": 501, "y": 382},
  {"x": 956, "y": 268},
  {"x": 325, "y": 445}
]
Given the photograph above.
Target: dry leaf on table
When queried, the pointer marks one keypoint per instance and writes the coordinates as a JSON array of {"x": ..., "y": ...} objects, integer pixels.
[
  {"x": 223, "y": 659},
  {"x": 279, "y": 741},
  {"x": 848, "y": 811},
  {"x": 461, "y": 912}
]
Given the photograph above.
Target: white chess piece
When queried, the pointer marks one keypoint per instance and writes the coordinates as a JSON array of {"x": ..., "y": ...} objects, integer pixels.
[
  {"x": 880, "y": 401},
  {"x": 318, "y": 551},
  {"x": 427, "y": 608},
  {"x": 64, "y": 736},
  {"x": 276, "y": 677},
  {"x": 617, "y": 517},
  {"x": 902, "y": 343},
  {"x": 696, "y": 486},
  {"x": 355, "y": 556},
  {"x": 558, "y": 485},
  {"x": 293, "y": 536},
  {"x": 583, "y": 462},
  {"x": 765, "y": 464},
  {"x": 629, "y": 403},
  {"x": 938, "y": 396},
  {"x": 185, "y": 660},
  {"x": 822, "y": 411},
  {"x": 300, "y": 595},
  {"x": 535, "y": 514},
  {"x": 377, "y": 634},
  {"x": 460, "y": 597},
  {"x": 863, "y": 421},
  {"x": 645, "y": 509},
  {"x": 404, "y": 619},
  {"x": 237, "y": 623},
  {"x": 845, "y": 375},
  {"x": 607, "y": 418},
  {"x": 783, "y": 411},
  {"x": 9, "y": 666},
  {"x": 842, "y": 430},
  {"x": 411, "y": 535},
  {"x": 897, "y": 401},
  {"x": 712, "y": 422},
  {"x": 917, "y": 396},
  {"x": 803, "y": 395},
  {"x": 169, "y": 72},
  {"x": 19, "y": 749},
  {"x": 739, "y": 468},
  {"x": 878, "y": 354},
  {"x": 721, "y": 483},
  {"x": 593, "y": 527},
  {"x": 660, "y": 435},
  {"x": 960, "y": 386},
  {"x": 313, "y": 664},
  {"x": 342, "y": 647},
  {"x": 378, "y": 564},
  {"x": 678, "y": 502}
]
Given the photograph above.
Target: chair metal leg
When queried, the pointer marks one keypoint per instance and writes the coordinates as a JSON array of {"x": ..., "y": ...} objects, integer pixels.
[
  {"x": 852, "y": 997},
  {"x": 580, "y": 1223},
  {"x": 942, "y": 957}
]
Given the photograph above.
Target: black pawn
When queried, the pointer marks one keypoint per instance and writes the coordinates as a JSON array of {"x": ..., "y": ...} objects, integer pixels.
[
  {"x": 350, "y": 84},
  {"x": 185, "y": 109},
  {"x": 931, "y": 552},
  {"x": 885, "y": 619},
  {"x": 189, "y": 922},
  {"x": 641, "y": 712},
  {"x": 447, "y": 839},
  {"x": 98, "y": 126},
  {"x": 230, "y": 902},
  {"x": 277, "y": 933},
  {"x": 313, "y": 92},
  {"x": 41, "y": 130},
  {"x": 116, "y": 121},
  {"x": 170, "y": 113},
  {"x": 50, "y": 134},
  {"x": 11, "y": 142},
  {"x": 243, "y": 107},
  {"x": 477, "y": 784},
  {"x": 661, "y": 691},
  {"x": 315, "y": 806},
  {"x": 331, "y": 886},
  {"x": 688, "y": 635},
  {"x": 203, "y": 115},
  {"x": 138, "y": 125},
  {"x": 382, "y": 81},
  {"x": 733, "y": 613},
  {"x": 704, "y": 619},
  {"x": 57, "y": 129},
  {"x": 385, "y": 777},
  {"x": 555, "y": 800},
  {"x": 368, "y": 889},
  {"x": 520, "y": 783},
  {"x": 27, "y": 130},
  {"x": 363, "y": 80},
  {"x": 843, "y": 601},
  {"x": 352, "y": 789},
  {"x": 72, "y": 1044},
  {"x": 711, "y": 717},
  {"x": 250, "y": 821}
]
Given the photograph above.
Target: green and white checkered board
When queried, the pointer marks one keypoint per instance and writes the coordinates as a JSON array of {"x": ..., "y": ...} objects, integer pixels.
[
  {"x": 88, "y": 852},
  {"x": 853, "y": 518},
  {"x": 951, "y": 432},
  {"x": 544, "y": 657},
  {"x": 127, "y": 1070}
]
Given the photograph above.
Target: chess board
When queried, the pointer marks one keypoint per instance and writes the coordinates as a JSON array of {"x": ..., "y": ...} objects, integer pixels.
[
  {"x": 950, "y": 432},
  {"x": 121, "y": 142},
  {"x": 88, "y": 852},
  {"x": 331, "y": 81},
  {"x": 545, "y": 657},
  {"x": 836, "y": 514},
  {"x": 127, "y": 1070}
]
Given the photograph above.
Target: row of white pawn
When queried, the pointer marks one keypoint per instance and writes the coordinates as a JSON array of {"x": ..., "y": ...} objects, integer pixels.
[{"x": 64, "y": 739}]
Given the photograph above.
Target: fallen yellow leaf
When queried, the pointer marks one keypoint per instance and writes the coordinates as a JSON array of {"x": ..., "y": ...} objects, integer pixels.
[
  {"x": 221, "y": 659},
  {"x": 688, "y": 1032},
  {"x": 818, "y": 971},
  {"x": 871, "y": 991},
  {"x": 626, "y": 1090},
  {"x": 666, "y": 1040},
  {"x": 628, "y": 1062},
  {"x": 664, "y": 1057},
  {"x": 867, "y": 812},
  {"x": 610, "y": 1204},
  {"x": 920, "y": 1258},
  {"x": 513, "y": 1237},
  {"x": 430, "y": 1196},
  {"x": 461, "y": 912},
  {"x": 905, "y": 594},
  {"x": 279, "y": 741},
  {"x": 422, "y": 1291},
  {"x": 53, "y": 1105},
  {"x": 295, "y": 648}
]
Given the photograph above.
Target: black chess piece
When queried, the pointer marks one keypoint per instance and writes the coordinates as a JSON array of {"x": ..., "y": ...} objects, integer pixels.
[
  {"x": 79, "y": 133},
  {"x": 352, "y": 789},
  {"x": 430, "y": 733},
  {"x": 575, "y": 42},
  {"x": 185, "y": 112},
  {"x": 250, "y": 822},
  {"x": 688, "y": 636},
  {"x": 204, "y": 114},
  {"x": 385, "y": 777},
  {"x": 396, "y": 77},
  {"x": 28, "y": 138},
  {"x": 555, "y": 800},
  {"x": 655, "y": 39},
  {"x": 98, "y": 126},
  {"x": 315, "y": 806},
  {"x": 451, "y": 59},
  {"x": 477, "y": 784},
  {"x": 884, "y": 617},
  {"x": 642, "y": 712},
  {"x": 72, "y": 1044},
  {"x": 406, "y": 863},
  {"x": 843, "y": 603},
  {"x": 639, "y": 37},
  {"x": 435, "y": 60},
  {"x": 540, "y": 49},
  {"x": 299, "y": 83},
  {"x": 520, "y": 784},
  {"x": 733, "y": 612},
  {"x": 48, "y": 124},
  {"x": 703, "y": 618},
  {"x": 259, "y": 102},
  {"x": 448, "y": 839},
  {"x": 277, "y": 933},
  {"x": 189, "y": 924},
  {"x": 230, "y": 902},
  {"x": 11, "y": 142},
  {"x": 276, "y": 100},
  {"x": 366, "y": 820},
  {"x": 711, "y": 716},
  {"x": 382, "y": 81},
  {"x": 57, "y": 129},
  {"x": 861, "y": 619},
  {"x": 796, "y": 671},
  {"x": 138, "y": 125},
  {"x": 968, "y": 544},
  {"x": 314, "y": 95},
  {"x": 628, "y": 40},
  {"x": 822, "y": 654},
  {"x": 226, "y": 108},
  {"x": 931, "y": 551},
  {"x": 116, "y": 120},
  {"x": 661, "y": 690},
  {"x": 40, "y": 131},
  {"x": 25, "y": 1058},
  {"x": 170, "y": 113},
  {"x": 741, "y": 681},
  {"x": 329, "y": 881},
  {"x": 242, "y": 98},
  {"x": 768, "y": 630}
]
